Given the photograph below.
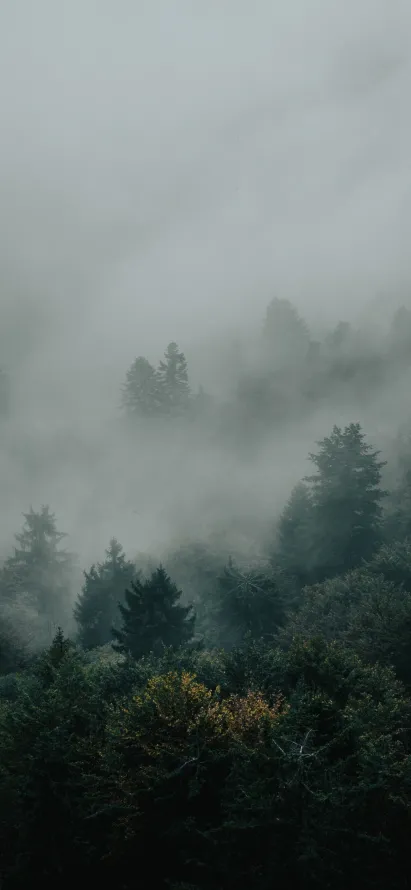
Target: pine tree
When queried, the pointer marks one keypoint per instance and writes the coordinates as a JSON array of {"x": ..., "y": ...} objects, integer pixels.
[
  {"x": 173, "y": 376},
  {"x": 152, "y": 617},
  {"x": 39, "y": 569},
  {"x": 346, "y": 494},
  {"x": 96, "y": 610},
  {"x": 142, "y": 391}
]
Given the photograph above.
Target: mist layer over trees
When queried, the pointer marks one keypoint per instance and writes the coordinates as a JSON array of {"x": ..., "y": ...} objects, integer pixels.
[
  {"x": 230, "y": 707},
  {"x": 205, "y": 445}
]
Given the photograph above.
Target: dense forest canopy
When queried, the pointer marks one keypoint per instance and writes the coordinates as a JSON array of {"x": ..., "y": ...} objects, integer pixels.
[{"x": 237, "y": 695}]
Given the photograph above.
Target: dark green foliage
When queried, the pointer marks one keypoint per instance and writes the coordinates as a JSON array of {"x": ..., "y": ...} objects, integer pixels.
[
  {"x": 96, "y": 610},
  {"x": 13, "y": 653},
  {"x": 347, "y": 500},
  {"x": 331, "y": 803},
  {"x": 394, "y": 562},
  {"x": 248, "y": 602},
  {"x": 46, "y": 756},
  {"x": 40, "y": 571},
  {"x": 294, "y": 534},
  {"x": 153, "y": 617},
  {"x": 397, "y": 525},
  {"x": 364, "y": 610},
  {"x": 280, "y": 759}
]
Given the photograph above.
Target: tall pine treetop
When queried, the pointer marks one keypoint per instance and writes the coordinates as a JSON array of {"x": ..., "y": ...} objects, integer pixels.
[
  {"x": 174, "y": 378},
  {"x": 40, "y": 570},
  {"x": 105, "y": 584},
  {"x": 346, "y": 494},
  {"x": 345, "y": 457},
  {"x": 142, "y": 391},
  {"x": 39, "y": 532}
]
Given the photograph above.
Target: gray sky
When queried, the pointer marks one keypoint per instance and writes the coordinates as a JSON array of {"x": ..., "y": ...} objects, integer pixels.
[
  {"x": 167, "y": 164},
  {"x": 168, "y": 167}
]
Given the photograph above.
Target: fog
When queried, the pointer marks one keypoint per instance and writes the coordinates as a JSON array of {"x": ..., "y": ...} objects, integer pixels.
[{"x": 166, "y": 169}]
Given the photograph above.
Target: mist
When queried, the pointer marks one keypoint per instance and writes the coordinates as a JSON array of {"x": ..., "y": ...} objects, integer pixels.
[{"x": 165, "y": 171}]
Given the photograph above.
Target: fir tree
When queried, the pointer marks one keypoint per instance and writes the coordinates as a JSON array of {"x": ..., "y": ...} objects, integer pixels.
[
  {"x": 142, "y": 392},
  {"x": 52, "y": 658},
  {"x": 96, "y": 610},
  {"x": 153, "y": 617},
  {"x": 40, "y": 570},
  {"x": 346, "y": 494},
  {"x": 173, "y": 376}
]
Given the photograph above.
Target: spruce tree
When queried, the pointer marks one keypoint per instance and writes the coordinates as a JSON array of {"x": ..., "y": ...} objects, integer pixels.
[
  {"x": 96, "y": 610},
  {"x": 346, "y": 494},
  {"x": 40, "y": 570},
  {"x": 153, "y": 617},
  {"x": 173, "y": 376},
  {"x": 142, "y": 391}
]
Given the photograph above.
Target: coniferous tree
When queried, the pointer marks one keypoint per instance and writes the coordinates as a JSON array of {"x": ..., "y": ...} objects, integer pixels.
[
  {"x": 398, "y": 519},
  {"x": 294, "y": 535},
  {"x": 142, "y": 392},
  {"x": 52, "y": 658},
  {"x": 12, "y": 648},
  {"x": 153, "y": 617},
  {"x": 39, "y": 570},
  {"x": 173, "y": 375},
  {"x": 249, "y": 603},
  {"x": 346, "y": 494},
  {"x": 96, "y": 610}
]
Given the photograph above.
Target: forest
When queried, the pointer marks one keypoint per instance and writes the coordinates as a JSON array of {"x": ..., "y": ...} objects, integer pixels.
[{"x": 231, "y": 710}]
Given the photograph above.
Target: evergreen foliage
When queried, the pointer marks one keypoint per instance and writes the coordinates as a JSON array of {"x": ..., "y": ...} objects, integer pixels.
[
  {"x": 173, "y": 376},
  {"x": 142, "y": 392},
  {"x": 40, "y": 571},
  {"x": 153, "y": 617},
  {"x": 271, "y": 748},
  {"x": 249, "y": 602},
  {"x": 162, "y": 392},
  {"x": 347, "y": 500},
  {"x": 294, "y": 534},
  {"x": 97, "y": 608}
]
